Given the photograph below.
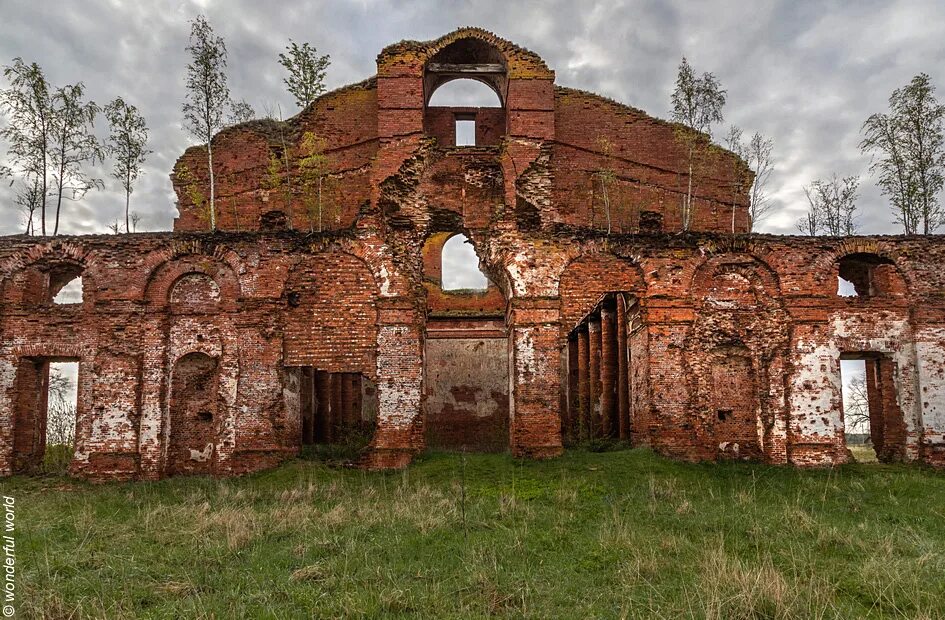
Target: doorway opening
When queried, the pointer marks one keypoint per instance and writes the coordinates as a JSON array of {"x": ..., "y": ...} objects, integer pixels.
[
  {"x": 337, "y": 408},
  {"x": 874, "y": 427},
  {"x": 44, "y": 423},
  {"x": 62, "y": 401}
]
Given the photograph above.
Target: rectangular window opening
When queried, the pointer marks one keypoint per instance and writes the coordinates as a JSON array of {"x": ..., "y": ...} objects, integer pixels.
[{"x": 465, "y": 132}]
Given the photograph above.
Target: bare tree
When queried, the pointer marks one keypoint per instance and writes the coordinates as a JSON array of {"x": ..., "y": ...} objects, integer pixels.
[
  {"x": 757, "y": 154},
  {"x": 856, "y": 410},
  {"x": 60, "y": 418},
  {"x": 306, "y": 79},
  {"x": 127, "y": 143},
  {"x": 28, "y": 104},
  {"x": 207, "y": 93},
  {"x": 697, "y": 104},
  {"x": 909, "y": 154},
  {"x": 832, "y": 207}
]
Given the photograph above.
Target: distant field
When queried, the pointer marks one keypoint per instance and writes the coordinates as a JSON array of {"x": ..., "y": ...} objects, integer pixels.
[{"x": 589, "y": 535}]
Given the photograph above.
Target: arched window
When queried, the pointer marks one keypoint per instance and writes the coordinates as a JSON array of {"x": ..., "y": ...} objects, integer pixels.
[
  {"x": 65, "y": 285},
  {"x": 865, "y": 275},
  {"x": 460, "y": 266}
]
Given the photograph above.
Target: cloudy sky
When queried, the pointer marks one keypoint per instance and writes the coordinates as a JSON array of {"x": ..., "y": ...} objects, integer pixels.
[{"x": 806, "y": 73}]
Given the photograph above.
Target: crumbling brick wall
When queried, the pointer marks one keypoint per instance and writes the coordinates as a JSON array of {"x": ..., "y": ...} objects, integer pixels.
[{"x": 709, "y": 344}]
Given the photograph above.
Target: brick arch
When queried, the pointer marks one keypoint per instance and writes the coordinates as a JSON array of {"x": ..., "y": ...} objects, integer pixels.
[
  {"x": 762, "y": 278},
  {"x": 20, "y": 272},
  {"x": 162, "y": 280},
  {"x": 330, "y": 317},
  {"x": 829, "y": 263},
  {"x": 585, "y": 280},
  {"x": 520, "y": 62},
  {"x": 733, "y": 350}
]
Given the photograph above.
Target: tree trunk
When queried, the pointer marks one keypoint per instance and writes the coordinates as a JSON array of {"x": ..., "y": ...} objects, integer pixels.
[
  {"x": 213, "y": 214},
  {"x": 127, "y": 197}
]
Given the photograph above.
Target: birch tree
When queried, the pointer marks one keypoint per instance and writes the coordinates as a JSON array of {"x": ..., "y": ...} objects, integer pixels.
[
  {"x": 697, "y": 105},
  {"x": 75, "y": 147},
  {"x": 757, "y": 154},
  {"x": 241, "y": 112},
  {"x": 908, "y": 147},
  {"x": 832, "y": 205},
  {"x": 28, "y": 105},
  {"x": 207, "y": 93},
  {"x": 306, "y": 79},
  {"x": 127, "y": 144}
]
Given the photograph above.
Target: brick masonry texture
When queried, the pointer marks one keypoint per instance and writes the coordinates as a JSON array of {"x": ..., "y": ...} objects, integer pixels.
[{"x": 309, "y": 313}]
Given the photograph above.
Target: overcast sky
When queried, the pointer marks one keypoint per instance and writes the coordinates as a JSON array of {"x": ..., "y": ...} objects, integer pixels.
[{"x": 806, "y": 73}]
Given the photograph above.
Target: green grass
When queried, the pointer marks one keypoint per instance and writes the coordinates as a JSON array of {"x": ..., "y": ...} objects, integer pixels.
[{"x": 589, "y": 535}]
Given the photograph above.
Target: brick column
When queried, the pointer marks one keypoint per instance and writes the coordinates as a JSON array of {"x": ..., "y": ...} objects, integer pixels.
[
  {"x": 573, "y": 401},
  {"x": 534, "y": 364},
  {"x": 623, "y": 366},
  {"x": 608, "y": 371},
  {"x": 399, "y": 434},
  {"x": 593, "y": 353},
  {"x": 155, "y": 388},
  {"x": 584, "y": 383}
]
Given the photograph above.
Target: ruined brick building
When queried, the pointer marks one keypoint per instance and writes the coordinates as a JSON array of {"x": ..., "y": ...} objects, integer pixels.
[{"x": 315, "y": 313}]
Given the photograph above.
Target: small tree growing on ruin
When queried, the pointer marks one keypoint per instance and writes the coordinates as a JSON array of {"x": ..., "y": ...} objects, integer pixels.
[
  {"x": 606, "y": 175},
  {"x": 908, "y": 144},
  {"x": 697, "y": 104},
  {"x": 313, "y": 171},
  {"x": 306, "y": 79},
  {"x": 75, "y": 147},
  {"x": 757, "y": 154},
  {"x": 127, "y": 144},
  {"x": 207, "y": 93},
  {"x": 832, "y": 207},
  {"x": 241, "y": 112},
  {"x": 28, "y": 104}
]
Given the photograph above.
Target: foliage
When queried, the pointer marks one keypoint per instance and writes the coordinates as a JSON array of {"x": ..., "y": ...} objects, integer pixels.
[
  {"x": 29, "y": 107},
  {"x": 193, "y": 191},
  {"x": 587, "y": 535},
  {"x": 127, "y": 143},
  {"x": 241, "y": 112},
  {"x": 207, "y": 93},
  {"x": 697, "y": 105},
  {"x": 74, "y": 145},
  {"x": 306, "y": 79},
  {"x": 908, "y": 144},
  {"x": 832, "y": 207}
]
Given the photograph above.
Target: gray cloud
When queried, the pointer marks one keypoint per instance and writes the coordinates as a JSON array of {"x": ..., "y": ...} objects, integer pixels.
[{"x": 805, "y": 73}]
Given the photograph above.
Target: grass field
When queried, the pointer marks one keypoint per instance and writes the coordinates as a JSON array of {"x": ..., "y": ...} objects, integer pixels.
[{"x": 589, "y": 535}]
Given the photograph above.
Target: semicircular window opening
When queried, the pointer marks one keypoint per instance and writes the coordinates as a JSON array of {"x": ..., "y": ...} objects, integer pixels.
[
  {"x": 460, "y": 266},
  {"x": 465, "y": 93}
]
